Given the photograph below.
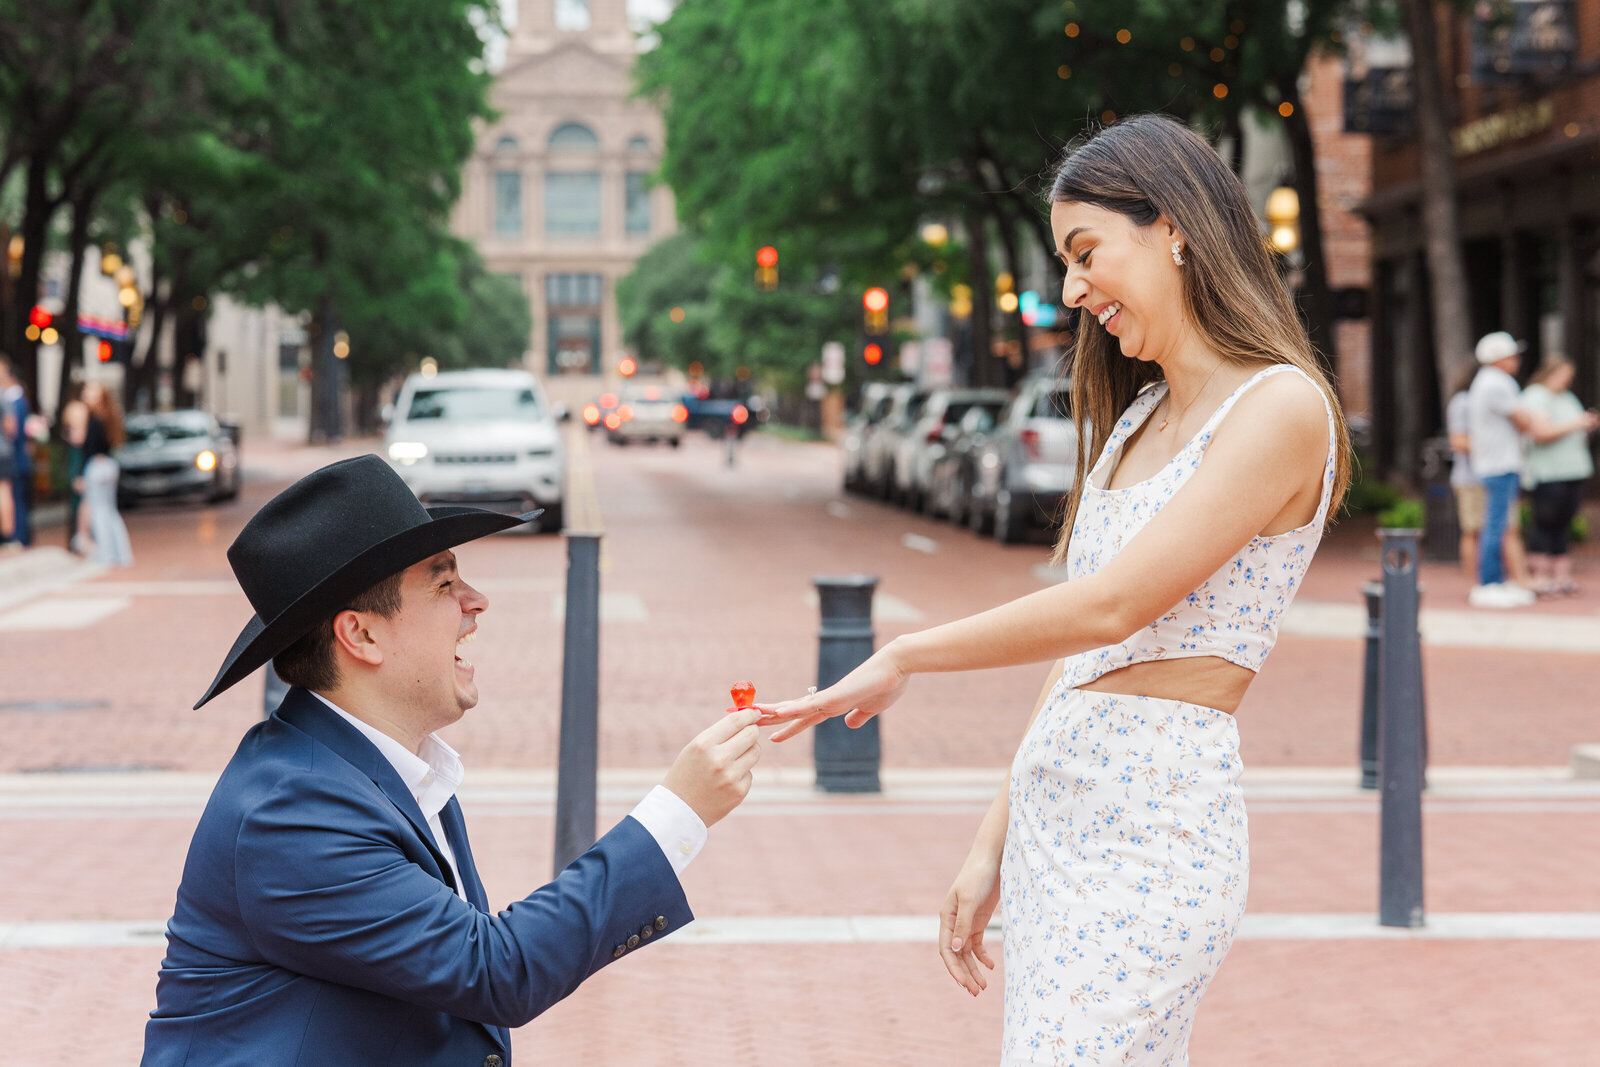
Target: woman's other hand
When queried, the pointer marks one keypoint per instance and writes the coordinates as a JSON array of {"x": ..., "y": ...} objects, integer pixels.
[
  {"x": 858, "y": 696},
  {"x": 965, "y": 916}
]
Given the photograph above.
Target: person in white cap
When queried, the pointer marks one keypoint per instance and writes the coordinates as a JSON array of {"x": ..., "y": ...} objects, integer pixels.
[{"x": 1497, "y": 423}]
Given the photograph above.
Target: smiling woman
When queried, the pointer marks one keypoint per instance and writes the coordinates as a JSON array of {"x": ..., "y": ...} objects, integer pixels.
[{"x": 1213, "y": 454}]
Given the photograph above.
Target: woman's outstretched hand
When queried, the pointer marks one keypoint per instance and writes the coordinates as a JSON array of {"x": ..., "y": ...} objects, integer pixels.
[
  {"x": 965, "y": 916},
  {"x": 858, "y": 696}
]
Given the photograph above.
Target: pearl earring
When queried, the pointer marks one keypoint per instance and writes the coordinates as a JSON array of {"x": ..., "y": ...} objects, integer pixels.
[{"x": 1177, "y": 253}]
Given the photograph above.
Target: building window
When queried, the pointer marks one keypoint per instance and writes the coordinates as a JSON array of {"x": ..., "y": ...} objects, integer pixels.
[
  {"x": 573, "y": 135},
  {"x": 572, "y": 202},
  {"x": 572, "y": 15},
  {"x": 639, "y": 146},
  {"x": 507, "y": 189},
  {"x": 572, "y": 290},
  {"x": 636, "y": 210}
]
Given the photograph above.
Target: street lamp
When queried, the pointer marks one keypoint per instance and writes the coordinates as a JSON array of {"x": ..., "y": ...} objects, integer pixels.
[{"x": 1283, "y": 214}]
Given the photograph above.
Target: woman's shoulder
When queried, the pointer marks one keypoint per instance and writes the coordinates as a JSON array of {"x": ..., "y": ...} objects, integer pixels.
[{"x": 1282, "y": 410}]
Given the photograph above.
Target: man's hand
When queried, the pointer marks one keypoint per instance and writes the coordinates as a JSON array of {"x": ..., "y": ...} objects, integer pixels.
[{"x": 712, "y": 773}]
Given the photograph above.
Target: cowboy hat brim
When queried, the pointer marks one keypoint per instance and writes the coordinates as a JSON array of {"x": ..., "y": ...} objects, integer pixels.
[{"x": 261, "y": 640}]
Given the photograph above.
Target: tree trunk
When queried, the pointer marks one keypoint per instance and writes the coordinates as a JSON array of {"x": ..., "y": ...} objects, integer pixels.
[
  {"x": 982, "y": 297},
  {"x": 1441, "y": 223},
  {"x": 327, "y": 377},
  {"x": 71, "y": 338},
  {"x": 1316, "y": 299},
  {"x": 143, "y": 372},
  {"x": 37, "y": 210}
]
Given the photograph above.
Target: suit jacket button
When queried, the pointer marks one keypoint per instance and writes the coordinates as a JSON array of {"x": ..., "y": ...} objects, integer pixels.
[
  {"x": 492, "y": 1060},
  {"x": 661, "y": 922},
  {"x": 633, "y": 942},
  {"x": 647, "y": 931},
  {"x": 617, "y": 952}
]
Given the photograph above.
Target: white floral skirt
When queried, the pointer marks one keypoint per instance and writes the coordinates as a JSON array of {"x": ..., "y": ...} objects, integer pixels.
[{"x": 1124, "y": 878}]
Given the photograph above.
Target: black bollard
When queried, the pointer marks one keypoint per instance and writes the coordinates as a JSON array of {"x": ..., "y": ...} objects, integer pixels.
[
  {"x": 1400, "y": 742},
  {"x": 1373, "y": 591},
  {"x": 846, "y": 760},
  {"x": 578, "y": 760}
]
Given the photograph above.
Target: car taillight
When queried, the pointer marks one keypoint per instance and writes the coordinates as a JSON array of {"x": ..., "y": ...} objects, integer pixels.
[
  {"x": 680, "y": 413},
  {"x": 625, "y": 412},
  {"x": 1030, "y": 443},
  {"x": 612, "y": 421},
  {"x": 591, "y": 414},
  {"x": 935, "y": 433}
]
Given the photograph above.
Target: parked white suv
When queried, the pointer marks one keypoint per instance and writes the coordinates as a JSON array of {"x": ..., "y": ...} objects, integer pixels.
[{"x": 481, "y": 437}]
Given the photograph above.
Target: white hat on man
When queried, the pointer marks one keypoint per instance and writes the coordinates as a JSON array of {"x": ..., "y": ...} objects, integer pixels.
[{"x": 1493, "y": 347}]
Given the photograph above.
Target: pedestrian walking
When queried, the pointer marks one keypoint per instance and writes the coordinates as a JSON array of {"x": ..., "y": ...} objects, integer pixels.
[
  {"x": 1118, "y": 854},
  {"x": 1558, "y": 463},
  {"x": 99, "y": 521},
  {"x": 330, "y": 911},
  {"x": 14, "y": 403},
  {"x": 1496, "y": 423},
  {"x": 8, "y": 515},
  {"x": 1464, "y": 485}
]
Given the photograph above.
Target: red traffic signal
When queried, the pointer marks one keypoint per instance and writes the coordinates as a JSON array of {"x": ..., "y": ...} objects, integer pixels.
[
  {"x": 873, "y": 354},
  {"x": 875, "y": 300},
  {"x": 40, "y": 318},
  {"x": 767, "y": 257},
  {"x": 104, "y": 351}
]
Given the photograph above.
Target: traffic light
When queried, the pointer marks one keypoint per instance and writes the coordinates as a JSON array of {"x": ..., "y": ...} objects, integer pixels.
[
  {"x": 39, "y": 320},
  {"x": 875, "y": 302},
  {"x": 767, "y": 269},
  {"x": 872, "y": 353},
  {"x": 105, "y": 351}
]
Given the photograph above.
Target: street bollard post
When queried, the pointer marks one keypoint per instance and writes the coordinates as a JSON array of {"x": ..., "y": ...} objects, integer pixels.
[
  {"x": 846, "y": 760},
  {"x": 578, "y": 759},
  {"x": 1373, "y": 591},
  {"x": 1400, "y": 742}
]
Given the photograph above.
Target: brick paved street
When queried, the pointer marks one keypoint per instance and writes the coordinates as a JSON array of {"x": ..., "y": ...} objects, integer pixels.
[{"x": 706, "y": 572}]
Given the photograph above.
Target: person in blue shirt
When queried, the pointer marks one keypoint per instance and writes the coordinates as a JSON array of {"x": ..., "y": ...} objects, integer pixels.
[{"x": 14, "y": 412}]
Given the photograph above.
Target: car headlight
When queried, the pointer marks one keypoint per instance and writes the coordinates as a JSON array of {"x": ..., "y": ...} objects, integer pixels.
[
  {"x": 206, "y": 461},
  {"x": 408, "y": 452}
]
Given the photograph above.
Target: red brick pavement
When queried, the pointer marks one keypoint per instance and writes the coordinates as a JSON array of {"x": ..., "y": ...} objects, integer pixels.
[{"x": 725, "y": 598}]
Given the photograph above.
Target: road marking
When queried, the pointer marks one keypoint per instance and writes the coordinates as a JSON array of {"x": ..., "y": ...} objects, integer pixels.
[
  {"x": 73, "y": 613},
  {"x": 837, "y": 509},
  {"x": 41, "y": 570},
  {"x": 919, "y": 543},
  {"x": 583, "y": 502},
  {"x": 886, "y": 607},
  {"x": 924, "y": 929},
  {"x": 614, "y": 607}
]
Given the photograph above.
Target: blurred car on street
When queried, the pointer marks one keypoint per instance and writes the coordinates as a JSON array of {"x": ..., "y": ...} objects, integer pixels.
[
  {"x": 178, "y": 453},
  {"x": 954, "y": 471},
  {"x": 882, "y": 447},
  {"x": 875, "y": 400},
  {"x": 482, "y": 437},
  {"x": 930, "y": 435},
  {"x": 719, "y": 416},
  {"x": 647, "y": 413},
  {"x": 1026, "y": 467}
]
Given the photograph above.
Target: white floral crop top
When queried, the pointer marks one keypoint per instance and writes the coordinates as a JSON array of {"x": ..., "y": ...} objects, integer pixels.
[{"x": 1235, "y": 614}]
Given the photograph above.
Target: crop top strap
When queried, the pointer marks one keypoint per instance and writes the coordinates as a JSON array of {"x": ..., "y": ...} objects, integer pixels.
[
  {"x": 1135, "y": 415},
  {"x": 1203, "y": 438}
]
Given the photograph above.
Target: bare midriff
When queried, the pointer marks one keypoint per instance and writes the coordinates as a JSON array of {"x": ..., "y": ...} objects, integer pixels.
[{"x": 1210, "y": 681}]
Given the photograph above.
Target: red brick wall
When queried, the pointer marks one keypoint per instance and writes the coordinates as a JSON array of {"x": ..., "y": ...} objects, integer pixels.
[{"x": 1344, "y": 177}]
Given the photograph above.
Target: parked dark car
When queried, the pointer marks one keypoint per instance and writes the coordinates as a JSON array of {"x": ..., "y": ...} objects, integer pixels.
[
  {"x": 876, "y": 400},
  {"x": 1026, "y": 467},
  {"x": 955, "y": 470},
  {"x": 175, "y": 454}
]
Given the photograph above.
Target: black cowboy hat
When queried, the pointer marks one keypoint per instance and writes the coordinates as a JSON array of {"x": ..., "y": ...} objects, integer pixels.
[{"x": 328, "y": 538}]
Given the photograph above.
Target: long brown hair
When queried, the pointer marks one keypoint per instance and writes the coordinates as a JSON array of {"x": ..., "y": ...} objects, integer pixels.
[
  {"x": 1143, "y": 168},
  {"x": 105, "y": 408},
  {"x": 1548, "y": 366}
]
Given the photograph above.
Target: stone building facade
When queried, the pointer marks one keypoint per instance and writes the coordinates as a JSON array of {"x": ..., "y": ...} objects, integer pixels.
[{"x": 558, "y": 191}]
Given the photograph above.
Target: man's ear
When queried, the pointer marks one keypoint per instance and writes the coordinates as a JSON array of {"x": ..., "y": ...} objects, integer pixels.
[{"x": 352, "y": 638}]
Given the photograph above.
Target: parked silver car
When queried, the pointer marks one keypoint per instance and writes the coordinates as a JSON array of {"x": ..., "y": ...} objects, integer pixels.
[
  {"x": 876, "y": 400},
  {"x": 649, "y": 413},
  {"x": 882, "y": 447},
  {"x": 481, "y": 437},
  {"x": 177, "y": 453},
  {"x": 930, "y": 436},
  {"x": 1026, "y": 468},
  {"x": 950, "y": 484}
]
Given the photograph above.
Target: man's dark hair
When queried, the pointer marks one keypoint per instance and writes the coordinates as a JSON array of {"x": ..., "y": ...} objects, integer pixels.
[{"x": 309, "y": 662}]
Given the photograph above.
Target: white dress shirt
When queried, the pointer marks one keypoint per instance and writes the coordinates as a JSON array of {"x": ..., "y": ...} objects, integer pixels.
[{"x": 434, "y": 775}]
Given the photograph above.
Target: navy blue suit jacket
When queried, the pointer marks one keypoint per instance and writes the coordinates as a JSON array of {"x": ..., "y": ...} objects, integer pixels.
[{"x": 317, "y": 922}]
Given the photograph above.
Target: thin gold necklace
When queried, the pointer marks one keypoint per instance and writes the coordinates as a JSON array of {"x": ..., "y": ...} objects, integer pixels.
[{"x": 1192, "y": 399}]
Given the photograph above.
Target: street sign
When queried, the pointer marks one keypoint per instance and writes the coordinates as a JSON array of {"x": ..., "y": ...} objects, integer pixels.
[
  {"x": 938, "y": 361},
  {"x": 833, "y": 362}
]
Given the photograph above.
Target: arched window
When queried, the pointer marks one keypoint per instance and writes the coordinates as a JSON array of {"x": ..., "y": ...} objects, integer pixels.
[
  {"x": 507, "y": 189},
  {"x": 572, "y": 15},
  {"x": 573, "y": 135},
  {"x": 639, "y": 145}
]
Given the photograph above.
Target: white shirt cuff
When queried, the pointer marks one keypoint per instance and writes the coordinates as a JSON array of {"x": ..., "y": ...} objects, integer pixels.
[{"x": 674, "y": 825}]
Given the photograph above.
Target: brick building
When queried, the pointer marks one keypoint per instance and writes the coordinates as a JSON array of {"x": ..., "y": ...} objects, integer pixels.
[{"x": 1525, "y": 118}]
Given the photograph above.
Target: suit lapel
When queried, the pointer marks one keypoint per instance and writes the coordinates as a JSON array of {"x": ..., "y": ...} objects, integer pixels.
[
  {"x": 455, "y": 830},
  {"x": 305, "y": 712}
]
